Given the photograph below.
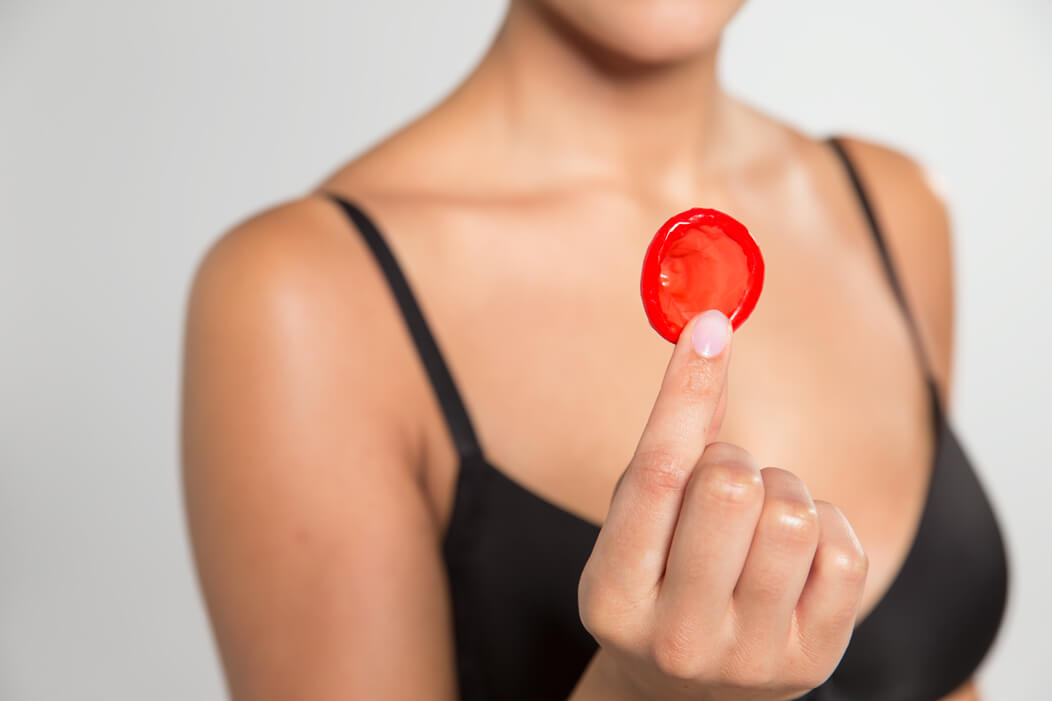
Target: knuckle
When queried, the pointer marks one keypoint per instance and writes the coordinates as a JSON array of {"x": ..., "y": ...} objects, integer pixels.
[
  {"x": 791, "y": 520},
  {"x": 847, "y": 564},
  {"x": 587, "y": 608},
  {"x": 660, "y": 469},
  {"x": 586, "y": 594},
  {"x": 721, "y": 451},
  {"x": 674, "y": 654},
  {"x": 609, "y": 618},
  {"x": 730, "y": 482},
  {"x": 594, "y": 609}
]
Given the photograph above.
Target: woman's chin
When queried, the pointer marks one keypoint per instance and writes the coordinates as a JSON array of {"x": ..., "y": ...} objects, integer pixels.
[
  {"x": 661, "y": 51},
  {"x": 652, "y": 33}
]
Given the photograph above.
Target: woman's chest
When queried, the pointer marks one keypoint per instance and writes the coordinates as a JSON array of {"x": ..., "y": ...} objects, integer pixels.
[{"x": 559, "y": 369}]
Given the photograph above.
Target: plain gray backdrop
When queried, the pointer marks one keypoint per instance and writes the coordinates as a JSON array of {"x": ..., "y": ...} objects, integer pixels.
[{"x": 133, "y": 133}]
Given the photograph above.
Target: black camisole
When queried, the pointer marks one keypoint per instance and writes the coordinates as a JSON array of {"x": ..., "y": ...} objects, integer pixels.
[{"x": 513, "y": 559}]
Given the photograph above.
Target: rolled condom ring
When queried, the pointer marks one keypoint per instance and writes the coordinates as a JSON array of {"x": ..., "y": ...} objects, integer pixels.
[{"x": 700, "y": 259}]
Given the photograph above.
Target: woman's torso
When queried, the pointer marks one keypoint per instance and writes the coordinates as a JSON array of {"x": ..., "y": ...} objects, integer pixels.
[
  {"x": 532, "y": 294},
  {"x": 535, "y": 302}
]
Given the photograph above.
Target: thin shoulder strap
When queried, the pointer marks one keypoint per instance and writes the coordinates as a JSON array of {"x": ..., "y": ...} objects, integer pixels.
[
  {"x": 441, "y": 379},
  {"x": 882, "y": 248}
]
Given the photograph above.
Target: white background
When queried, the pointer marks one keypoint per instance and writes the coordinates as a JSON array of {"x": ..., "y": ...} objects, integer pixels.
[{"x": 133, "y": 133}]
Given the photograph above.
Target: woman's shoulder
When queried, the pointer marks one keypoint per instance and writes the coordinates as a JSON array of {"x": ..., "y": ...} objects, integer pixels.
[
  {"x": 898, "y": 176},
  {"x": 296, "y": 252},
  {"x": 298, "y": 270},
  {"x": 292, "y": 291}
]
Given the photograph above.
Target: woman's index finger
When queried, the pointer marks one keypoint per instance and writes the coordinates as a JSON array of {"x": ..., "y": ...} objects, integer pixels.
[{"x": 635, "y": 537}]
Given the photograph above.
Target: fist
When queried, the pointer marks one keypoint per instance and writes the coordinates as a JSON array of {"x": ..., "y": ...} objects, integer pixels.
[{"x": 711, "y": 578}]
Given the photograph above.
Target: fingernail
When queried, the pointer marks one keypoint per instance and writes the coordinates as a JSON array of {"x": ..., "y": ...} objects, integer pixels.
[{"x": 711, "y": 331}]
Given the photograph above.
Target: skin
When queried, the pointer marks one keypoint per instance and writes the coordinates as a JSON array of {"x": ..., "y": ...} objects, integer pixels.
[{"x": 319, "y": 472}]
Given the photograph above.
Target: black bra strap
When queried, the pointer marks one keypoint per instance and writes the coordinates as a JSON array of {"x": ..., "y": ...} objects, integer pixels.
[
  {"x": 885, "y": 256},
  {"x": 441, "y": 380}
]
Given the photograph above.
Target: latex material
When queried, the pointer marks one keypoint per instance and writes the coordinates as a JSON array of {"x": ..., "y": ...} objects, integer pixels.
[{"x": 700, "y": 259}]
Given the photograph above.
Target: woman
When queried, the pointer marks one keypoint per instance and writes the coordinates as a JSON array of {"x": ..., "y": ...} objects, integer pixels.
[{"x": 367, "y": 527}]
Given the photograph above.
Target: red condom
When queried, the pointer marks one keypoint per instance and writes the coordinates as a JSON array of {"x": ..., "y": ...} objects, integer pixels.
[{"x": 700, "y": 259}]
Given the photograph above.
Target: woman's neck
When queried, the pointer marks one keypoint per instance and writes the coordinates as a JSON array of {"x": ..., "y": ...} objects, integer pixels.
[{"x": 564, "y": 104}]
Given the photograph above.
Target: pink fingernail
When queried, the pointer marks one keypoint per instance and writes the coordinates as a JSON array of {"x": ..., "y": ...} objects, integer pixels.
[{"x": 711, "y": 331}]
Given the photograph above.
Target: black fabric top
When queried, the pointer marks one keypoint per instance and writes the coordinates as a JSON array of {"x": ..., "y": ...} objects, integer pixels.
[{"x": 514, "y": 559}]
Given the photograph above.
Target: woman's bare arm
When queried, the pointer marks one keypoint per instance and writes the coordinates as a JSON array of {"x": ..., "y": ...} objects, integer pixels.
[{"x": 318, "y": 556}]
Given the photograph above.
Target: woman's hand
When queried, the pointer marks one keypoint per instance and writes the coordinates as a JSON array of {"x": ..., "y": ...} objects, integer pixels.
[{"x": 711, "y": 578}]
